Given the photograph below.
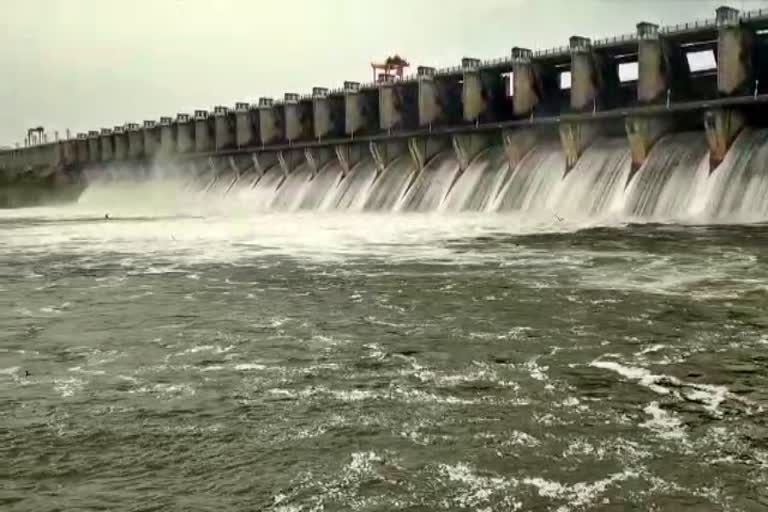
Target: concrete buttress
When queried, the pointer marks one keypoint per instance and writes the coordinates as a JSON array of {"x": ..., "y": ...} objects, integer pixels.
[
  {"x": 722, "y": 126},
  {"x": 735, "y": 46}
]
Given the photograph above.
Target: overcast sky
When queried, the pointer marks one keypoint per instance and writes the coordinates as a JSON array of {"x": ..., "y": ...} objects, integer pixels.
[{"x": 87, "y": 64}]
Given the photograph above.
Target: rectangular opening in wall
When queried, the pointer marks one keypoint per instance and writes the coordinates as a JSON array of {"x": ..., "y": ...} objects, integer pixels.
[
  {"x": 629, "y": 72},
  {"x": 565, "y": 80},
  {"x": 509, "y": 83},
  {"x": 701, "y": 61}
]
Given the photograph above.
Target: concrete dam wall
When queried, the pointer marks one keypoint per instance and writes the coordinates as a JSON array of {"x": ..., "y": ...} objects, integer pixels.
[{"x": 561, "y": 107}]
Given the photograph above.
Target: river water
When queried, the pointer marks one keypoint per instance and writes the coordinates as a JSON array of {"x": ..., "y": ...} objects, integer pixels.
[{"x": 200, "y": 355}]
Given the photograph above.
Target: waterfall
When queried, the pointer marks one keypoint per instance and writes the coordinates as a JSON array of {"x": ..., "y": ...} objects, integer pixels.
[
  {"x": 739, "y": 190},
  {"x": 674, "y": 184},
  {"x": 476, "y": 187},
  {"x": 661, "y": 187},
  {"x": 432, "y": 184},
  {"x": 533, "y": 181},
  {"x": 389, "y": 187},
  {"x": 320, "y": 186},
  {"x": 262, "y": 191},
  {"x": 352, "y": 192},
  {"x": 290, "y": 194},
  {"x": 595, "y": 186}
]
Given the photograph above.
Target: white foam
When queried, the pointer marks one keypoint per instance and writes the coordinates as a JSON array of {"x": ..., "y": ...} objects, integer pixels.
[
  {"x": 641, "y": 375},
  {"x": 69, "y": 386},
  {"x": 580, "y": 495},
  {"x": 710, "y": 396},
  {"x": 479, "y": 489},
  {"x": 518, "y": 438},
  {"x": 249, "y": 367},
  {"x": 665, "y": 424}
]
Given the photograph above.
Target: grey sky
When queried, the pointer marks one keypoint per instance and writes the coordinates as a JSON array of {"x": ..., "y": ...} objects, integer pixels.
[{"x": 87, "y": 64}]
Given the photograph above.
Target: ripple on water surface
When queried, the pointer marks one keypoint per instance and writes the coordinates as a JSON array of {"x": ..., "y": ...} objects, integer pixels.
[{"x": 204, "y": 363}]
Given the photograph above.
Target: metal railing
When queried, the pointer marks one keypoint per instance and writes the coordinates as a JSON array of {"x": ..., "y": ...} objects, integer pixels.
[
  {"x": 548, "y": 52},
  {"x": 687, "y": 27},
  {"x": 614, "y": 40},
  {"x": 755, "y": 13}
]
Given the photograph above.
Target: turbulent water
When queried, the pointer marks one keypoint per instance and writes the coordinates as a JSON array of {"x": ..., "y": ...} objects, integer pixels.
[{"x": 485, "y": 339}]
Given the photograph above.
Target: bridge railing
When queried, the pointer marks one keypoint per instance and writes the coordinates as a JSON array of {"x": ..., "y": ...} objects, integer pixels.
[
  {"x": 756, "y": 13},
  {"x": 687, "y": 27},
  {"x": 560, "y": 50},
  {"x": 608, "y": 41},
  {"x": 495, "y": 62}
]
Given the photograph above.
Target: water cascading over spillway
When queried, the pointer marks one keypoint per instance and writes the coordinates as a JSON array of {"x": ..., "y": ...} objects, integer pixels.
[
  {"x": 662, "y": 189},
  {"x": 386, "y": 191},
  {"x": 474, "y": 190},
  {"x": 674, "y": 184},
  {"x": 742, "y": 192},
  {"x": 352, "y": 190},
  {"x": 533, "y": 182},
  {"x": 320, "y": 187},
  {"x": 290, "y": 193},
  {"x": 261, "y": 191},
  {"x": 432, "y": 184},
  {"x": 595, "y": 185}
]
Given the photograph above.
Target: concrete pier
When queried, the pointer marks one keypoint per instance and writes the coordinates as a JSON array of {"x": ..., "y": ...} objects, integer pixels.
[
  {"x": 167, "y": 138},
  {"x": 385, "y": 152},
  {"x": 135, "y": 141},
  {"x": 270, "y": 122},
  {"x": 663, "y": 74},
  {"x": 151, "y": 139},
  {"x": 663, "y": 70},
  {"x": 468, "y": 146},
  {"x": 423, "y": 149},
  {"x": 298, "y": 118},
  {"x": 290, "y": 159},
  {"x": 68, "y": 153},
  {"x": 246, "y": 125},
  {"x": 94, "y": 148},
  {"x": 224, "y": 128},
  {"x": 361, "y": 109},
  {"x": 735, "y": 46},
  {"x": 120, "y": 140},
  {"x": 327, "y": 114},
  {"x": 398, "y": 105},
  {"x": 593, "y": 83},
  {"x": 518, "y": 143},
  {"x": 575, "y": 138},
  {"x": 82, "y": 148},
  {"x": 593, "y": 78},
  {"x": 264, "y": 161},
  {"x": 204, "y": 137},
  {"x": 439, "y": 98},
  {"x": 483, "y": 93},
  {"x": 317, "y": 158},
  {"x": 185, "y": 134},
  {"x": 350, "y": 155},
  {"x": 105, "y": 142},
  {"x": 722, "y": 126},
  {"x": 643, "y": 133},
  {"x": 533, "y": 84}
]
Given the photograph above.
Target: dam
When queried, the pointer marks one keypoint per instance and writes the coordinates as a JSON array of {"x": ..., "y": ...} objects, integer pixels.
[
  {"x": 629, "y": 124},
  {"x": 531, "y": 283}
]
